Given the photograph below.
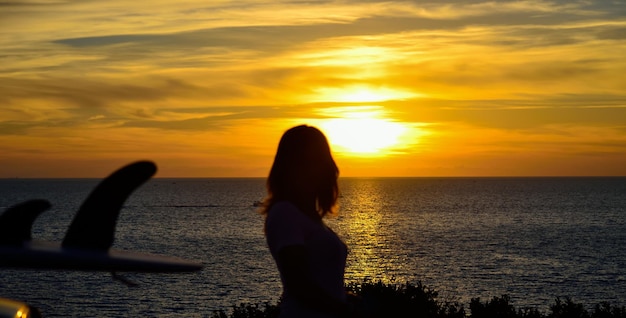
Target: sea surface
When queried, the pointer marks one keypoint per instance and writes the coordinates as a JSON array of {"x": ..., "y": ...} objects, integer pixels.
[{"x": 534, "y": 239}]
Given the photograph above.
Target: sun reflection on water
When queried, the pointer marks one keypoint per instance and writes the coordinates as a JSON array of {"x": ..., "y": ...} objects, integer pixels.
[{"x": 368, "y": 234}]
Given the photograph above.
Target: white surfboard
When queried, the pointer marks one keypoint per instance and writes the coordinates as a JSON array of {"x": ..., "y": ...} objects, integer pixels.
[
  {"x": 87, "y": 243},
  {"x": 48, "y": 255}
]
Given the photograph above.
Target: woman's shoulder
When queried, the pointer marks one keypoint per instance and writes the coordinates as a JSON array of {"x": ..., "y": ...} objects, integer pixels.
[
  {"x": 282, "y": 209},
  {"x": 285, "y": 212},
  {"x": 284, "y": 220},
  {"x": 283, "y": 205}
]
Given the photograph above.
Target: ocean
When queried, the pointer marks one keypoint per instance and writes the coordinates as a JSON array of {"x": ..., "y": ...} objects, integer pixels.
[{"x": 534, "y": 239}]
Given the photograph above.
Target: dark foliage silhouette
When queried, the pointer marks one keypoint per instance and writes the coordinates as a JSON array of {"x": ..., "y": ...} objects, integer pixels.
[{"x": 416, "y": 300}]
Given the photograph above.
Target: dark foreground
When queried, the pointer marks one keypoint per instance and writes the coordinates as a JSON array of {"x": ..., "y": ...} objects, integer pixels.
[{"x": 417, "y": 300}]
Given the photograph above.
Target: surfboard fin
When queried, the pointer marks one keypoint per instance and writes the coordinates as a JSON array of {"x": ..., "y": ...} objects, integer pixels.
[
  {"x": 93, "y": 226},
  {"x": 17, "y": 221}
]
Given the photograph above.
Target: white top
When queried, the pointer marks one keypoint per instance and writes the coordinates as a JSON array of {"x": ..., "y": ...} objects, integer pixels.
[{"x": 286, "y": 225}]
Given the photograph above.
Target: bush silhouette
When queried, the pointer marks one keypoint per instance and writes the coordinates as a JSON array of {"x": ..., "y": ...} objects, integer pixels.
[
  {"x": 407, "y": 300},
  {"x": 496, "y": 308},
  {"x": 380, "y": 300},
  {"x": 567, "y": 309}
]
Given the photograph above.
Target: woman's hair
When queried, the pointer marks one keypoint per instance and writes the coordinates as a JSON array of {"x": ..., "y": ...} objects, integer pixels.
[{"x": 303, "y": 166}]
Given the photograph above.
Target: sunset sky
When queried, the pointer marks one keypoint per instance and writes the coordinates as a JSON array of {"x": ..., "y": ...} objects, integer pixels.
[{"x": 401, "y": 88}]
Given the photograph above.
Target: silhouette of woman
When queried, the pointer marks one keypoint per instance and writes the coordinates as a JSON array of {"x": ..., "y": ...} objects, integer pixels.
[{"x": 311, "y": 258}]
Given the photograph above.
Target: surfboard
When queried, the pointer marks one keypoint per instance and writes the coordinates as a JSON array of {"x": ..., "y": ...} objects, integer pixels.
[
  {"x": 49, "y": 255},
  {"x": 87, "y": 243}
]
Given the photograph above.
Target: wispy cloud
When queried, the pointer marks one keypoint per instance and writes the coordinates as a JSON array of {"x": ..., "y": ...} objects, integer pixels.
[{"x": 78, "y": 75}]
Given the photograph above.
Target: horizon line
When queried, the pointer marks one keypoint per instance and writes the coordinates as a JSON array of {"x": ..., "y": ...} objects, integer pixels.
[{"x": 346, "y": 177}]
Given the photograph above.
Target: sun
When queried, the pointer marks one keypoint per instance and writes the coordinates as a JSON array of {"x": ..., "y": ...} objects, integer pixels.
[
  {"x": 362, "y": 131},
  {"x": 368, "y": 129}
]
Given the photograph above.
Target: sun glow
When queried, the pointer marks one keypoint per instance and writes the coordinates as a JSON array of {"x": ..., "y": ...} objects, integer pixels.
[
  {"x": 362, "y": 131},
  {"x": 361, "y": 94}
]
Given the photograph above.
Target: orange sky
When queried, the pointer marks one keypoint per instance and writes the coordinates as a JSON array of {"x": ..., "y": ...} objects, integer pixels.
[{"x": 402, "y": 88}]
